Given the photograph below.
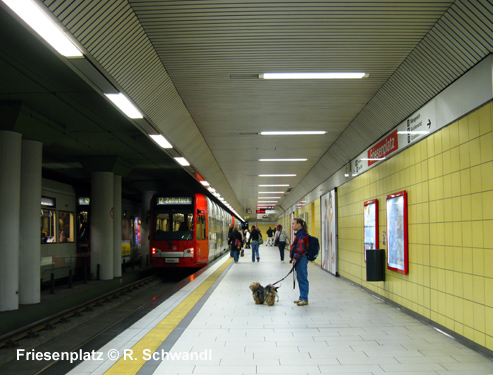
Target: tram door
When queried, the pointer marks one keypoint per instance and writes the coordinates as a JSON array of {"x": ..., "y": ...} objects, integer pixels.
[
  {"x": 83, "y": 233},
  {"x": 202, "y": 250}
]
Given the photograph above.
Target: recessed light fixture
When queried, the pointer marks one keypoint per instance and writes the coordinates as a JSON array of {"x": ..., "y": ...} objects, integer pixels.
[
  {"x": 269, "y": 197},
  {"x": 182, "y": 161},
  {"x": 414, "y": 132},
  {"x": 282, "y": 159},
  {"x": 294, "y": 132},
  {"x": 205, "y": 183},
  {"x": 277, "y": 175},
  {"x": 122, "y": 102},
  {"x": 274, "y": 185},
  {"x": 372, "y": 159},
  {"x": 271, "y": 192},
  {"x": 267, "y": 202},
  {"x": 160, "y": 140},
  {"x": 44, "y": 26},
  {"x": 321, "y": 75}
]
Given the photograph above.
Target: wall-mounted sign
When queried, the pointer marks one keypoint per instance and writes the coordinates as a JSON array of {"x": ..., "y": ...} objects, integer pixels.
[
  {"x": 48, "y": 202},
  {"x": 84, "y": 201}
]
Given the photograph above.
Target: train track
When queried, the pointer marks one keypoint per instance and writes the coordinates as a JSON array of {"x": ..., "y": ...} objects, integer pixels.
[{"x": 13, "y": 338}]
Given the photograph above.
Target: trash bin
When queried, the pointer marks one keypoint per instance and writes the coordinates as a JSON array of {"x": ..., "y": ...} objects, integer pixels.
[{"x": 375, "y": 265}]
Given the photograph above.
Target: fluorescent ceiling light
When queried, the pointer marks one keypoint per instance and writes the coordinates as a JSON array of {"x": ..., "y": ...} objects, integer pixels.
[
  {"x": 44, "y": 26},
  {"x": 269, "y": 197},
  {"x": 273, "y": 185},
  {"x": 289, "y": 132},
  {"x": 160, "y": 140},
  {"x": 282, "y": 159},
  {"x": 122, "y": 102},
  {"x": 260, "y": 202},
  {"x": 271, "y": 192},
  {"x": 205, "y": 183},
  {"x": 372, "y": 159},
  {"x": 182, "y": 161},
  {"x": 414, "y": 132},
  {"x": 277, "y": 175},
  {"x": 211, "y": 189},
  {"x": 332, "y": 75}
]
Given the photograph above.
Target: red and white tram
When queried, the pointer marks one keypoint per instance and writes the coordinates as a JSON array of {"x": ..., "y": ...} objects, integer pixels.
[{"x": 187, "y": 231}]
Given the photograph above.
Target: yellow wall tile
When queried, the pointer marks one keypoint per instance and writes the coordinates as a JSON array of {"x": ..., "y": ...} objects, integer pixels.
[
  {"x": 479, "y": 315},
  {"x": 458, "y": 284},
  {"x": 445, "y": 138},
  {"x": 488, "y": 261},
  {"x": 465, "y": 156},
  {"x": 467, "y": 260},
  {"x": 454, "y": 134},
  {"x": 477, "y": 207},
  {"x": 487, "y": 176},
  {"x": 465, "y": 179},
  {"x": 488, "y": 295},
  {"x": 473, "y": 125},
  {"x": 459, "y": 309},
  {"x": 463, "y": 130},
  {"x": 488, "y": 236},
  {"x": 486, "y": 144},
  {"x": 455, "y": 159},
  {"x": 475, "y": 152},
  {"x": 457, "y": 234},
  {"x": 466, "y": 206},
  {"x": 478, "y": 262},
  {"x": 484, "y": 113},
  {"x": 456, "y": 184},
  {"x": 468, "y": 312}
]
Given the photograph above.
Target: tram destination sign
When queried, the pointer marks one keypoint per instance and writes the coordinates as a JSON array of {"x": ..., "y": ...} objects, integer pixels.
[{"x": 164, "y": 201}]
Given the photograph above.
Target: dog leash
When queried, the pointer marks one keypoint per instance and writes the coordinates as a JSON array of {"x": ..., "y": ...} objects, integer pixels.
[{"x": 292, "y": 269}]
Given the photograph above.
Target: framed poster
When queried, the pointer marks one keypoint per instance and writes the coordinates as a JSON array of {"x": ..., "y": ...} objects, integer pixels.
[
  {"x": 397, "y": 259},
  {"x": 328, "y": 247},
  {"x": 370, "y": 223}
]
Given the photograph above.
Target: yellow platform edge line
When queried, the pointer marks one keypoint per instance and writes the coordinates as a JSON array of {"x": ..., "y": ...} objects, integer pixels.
[{"x": 156, "y": 336}]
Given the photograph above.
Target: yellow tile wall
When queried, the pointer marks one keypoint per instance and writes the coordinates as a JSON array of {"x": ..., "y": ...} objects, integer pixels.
[{"x": 449, "y": 181}]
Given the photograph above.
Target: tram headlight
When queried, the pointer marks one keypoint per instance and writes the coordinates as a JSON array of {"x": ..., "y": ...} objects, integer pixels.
[{"x": 188, "y": 253}]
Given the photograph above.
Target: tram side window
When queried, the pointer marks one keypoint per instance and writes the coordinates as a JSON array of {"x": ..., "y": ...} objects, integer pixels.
[
  {"x": 48, "y": 226},
  {"x": 66, "y": 226}
]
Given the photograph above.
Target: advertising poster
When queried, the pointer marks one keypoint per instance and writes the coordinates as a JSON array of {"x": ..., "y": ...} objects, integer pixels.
[
  {"x": 397, "y": 232},
  {"x": 370, "y": 225},
  {"x": 328, "y": 245}
]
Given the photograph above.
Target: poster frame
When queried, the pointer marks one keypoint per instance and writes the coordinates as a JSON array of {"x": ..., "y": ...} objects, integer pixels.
[
  {"x": 375, "y": 220},
  {"x": 392, "y": 246}
]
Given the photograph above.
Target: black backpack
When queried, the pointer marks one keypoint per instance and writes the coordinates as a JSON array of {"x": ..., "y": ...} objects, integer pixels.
[{"x": 313, "y": 248}]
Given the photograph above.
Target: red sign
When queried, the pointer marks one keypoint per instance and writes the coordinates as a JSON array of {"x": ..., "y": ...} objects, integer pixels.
[
  {"x": 383, "y": 148},
  {"x": 261, "y": 211}
]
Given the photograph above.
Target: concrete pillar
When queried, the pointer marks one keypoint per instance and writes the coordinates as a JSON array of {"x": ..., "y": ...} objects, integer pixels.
[
  {"x": 10, "y": 187},
  {"x": 102, "y": 224},
  {"x": 117, "y": 226},
  {"x": 30, "y": 239},
  {"x": 146, "y": 221}
]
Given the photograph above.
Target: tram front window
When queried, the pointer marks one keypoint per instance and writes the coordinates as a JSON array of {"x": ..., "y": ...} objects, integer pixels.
[{"x": 173, "y": 226}]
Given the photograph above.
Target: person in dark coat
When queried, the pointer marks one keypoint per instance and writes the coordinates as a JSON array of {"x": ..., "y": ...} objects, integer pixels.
[{"x": 237, "y": 244}]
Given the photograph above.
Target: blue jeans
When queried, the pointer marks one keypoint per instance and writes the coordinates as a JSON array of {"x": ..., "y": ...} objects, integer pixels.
[
  {"x": 236, "y": 255},
  {"x": 255, "y": 253},
  {"x": 302, "y": 276},
  {"x": 282, "y": 245}
]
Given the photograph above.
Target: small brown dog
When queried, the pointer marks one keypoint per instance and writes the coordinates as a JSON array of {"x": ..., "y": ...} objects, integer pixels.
[{"x": 262, "y": 294}]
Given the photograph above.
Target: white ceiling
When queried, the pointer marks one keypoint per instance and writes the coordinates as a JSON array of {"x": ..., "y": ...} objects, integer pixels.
[{"x": 192, "y": 66}]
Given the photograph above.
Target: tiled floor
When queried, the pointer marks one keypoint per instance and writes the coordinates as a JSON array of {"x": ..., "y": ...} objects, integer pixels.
[{"x": 343, "y": 330}]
